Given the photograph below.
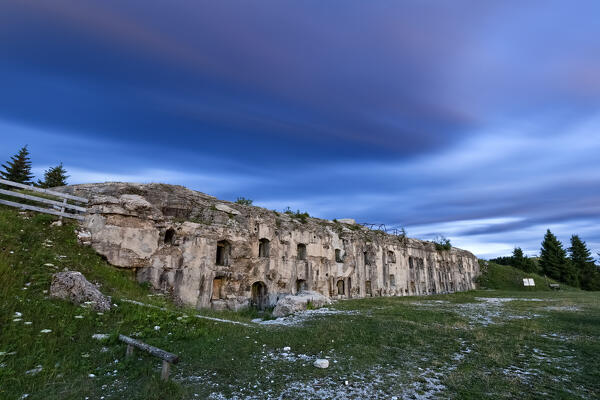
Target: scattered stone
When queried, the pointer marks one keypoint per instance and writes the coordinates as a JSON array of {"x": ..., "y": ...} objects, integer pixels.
[
  {"x": 287, "y": 348},
  {"x": 321, "y": 363},
  {"x": 46, "y": 330},
  {"x": 73, "y": 286},
  {"x": 28, "y": 322},
  {"x": 17, "y": 320},
  {"x": 34, "y": 371},
  {"x": 349, "y": 221},
  {"x": 291, "y": 304},
  {"x": 156, "y": 328},
  {"x": 18, "y": 314},
  {"x": 79, "y": 316},
  {"x": 92, "y": 375},
  {"x": 100, "y": 336}
]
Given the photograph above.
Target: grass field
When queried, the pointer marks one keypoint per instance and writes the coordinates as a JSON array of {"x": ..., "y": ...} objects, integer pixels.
[{"x": 500, "y": 343}]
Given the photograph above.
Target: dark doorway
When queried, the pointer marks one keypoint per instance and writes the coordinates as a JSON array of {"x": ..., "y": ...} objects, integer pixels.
[
  {"x": 368, "y": 288},
  {"x": 301, "y": 251},
  {"x": 223, "y": 252},
  {"x": 340, "y": 287},
  {"x": 217, "y": 290},
  {"x": 259, "y": 295},
  {"x": 338, "y": 256},
  {"x": 170, "y": 236},
  {"x": 301, "y": 285},
  {"x": 264, "y": 248}
]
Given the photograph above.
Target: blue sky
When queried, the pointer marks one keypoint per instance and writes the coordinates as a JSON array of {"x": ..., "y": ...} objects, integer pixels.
[{"x": 476, "y": 120}]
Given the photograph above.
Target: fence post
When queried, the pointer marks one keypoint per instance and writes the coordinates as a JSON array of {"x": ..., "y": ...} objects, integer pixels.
[
  {"x": 62, "y": 210},
  {"x": 164, "y": 373}
]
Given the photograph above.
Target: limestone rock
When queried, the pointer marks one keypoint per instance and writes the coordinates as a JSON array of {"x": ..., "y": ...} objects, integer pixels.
[
  {"x": 321, "y": 363},
  {"x": 349, "y": 221},
  {"x": 72, "y": 286},
  {"x": 291, "y": 304},
  {"x": 226, "y": 208}
]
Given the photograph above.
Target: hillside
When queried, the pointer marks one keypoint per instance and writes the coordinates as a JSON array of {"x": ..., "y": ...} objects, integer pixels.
[
  {"x": 505, "y": 277},
  {"x": 478, "y": 344}
]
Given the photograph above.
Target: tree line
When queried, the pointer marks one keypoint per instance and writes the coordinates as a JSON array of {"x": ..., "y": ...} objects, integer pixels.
[
  {"x": 574, "y": 266},
  {"x": 18, "y": 169}
]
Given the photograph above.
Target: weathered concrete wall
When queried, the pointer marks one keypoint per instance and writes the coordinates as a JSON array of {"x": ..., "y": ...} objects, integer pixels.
[{"x": 207, "y": 252}]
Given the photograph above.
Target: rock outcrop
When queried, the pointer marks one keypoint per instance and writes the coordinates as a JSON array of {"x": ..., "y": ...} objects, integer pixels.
[
  {"x": 213, "y": 253},
  {"x": 299, "y": 302},
  {"x": 72, "y": 286}
]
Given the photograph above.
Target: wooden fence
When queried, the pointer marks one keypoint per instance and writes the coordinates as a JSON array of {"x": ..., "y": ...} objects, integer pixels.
[
  {"x": 59, "y": 208},
  {"x": 168, "y": 358}
]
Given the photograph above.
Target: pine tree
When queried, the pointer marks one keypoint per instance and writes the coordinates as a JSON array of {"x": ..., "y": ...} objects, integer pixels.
[
  {"x": 554, "y": 262},
  {"x": 522, "y": 262},
  {"x": 583, "y": 262},
  {"x": 53, "y": 177},
  {"x": 18, "y": 169}
]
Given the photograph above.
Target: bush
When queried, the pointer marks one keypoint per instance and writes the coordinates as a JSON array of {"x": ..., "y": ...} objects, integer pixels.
[{"x": 442, "y": 243}]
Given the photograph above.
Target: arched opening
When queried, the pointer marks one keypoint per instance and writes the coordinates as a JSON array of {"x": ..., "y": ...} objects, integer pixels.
[
  {"x": 340, "y": 287},
  {"x": 170, "y": 236},
  {"x": 223, "y": 252},
  {"x": 301, "y": 251},
  {"x": 391, "y": 257},
  {"x": 368, "y": 288},
  {"x": 259, "y": 295},
  {"x": 338, "y": 256},
  {"x": 217, "y": 289},
  {"x": 264, "y": 248},
  {"x": 301, "y": 285},
  {"x": 365, "y": 258}
]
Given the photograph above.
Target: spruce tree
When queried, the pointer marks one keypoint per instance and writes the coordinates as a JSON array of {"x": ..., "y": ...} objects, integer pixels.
[
  {"x": 18, "y": 169},
  {"x": 517, "y": 258},
  {"x": 53, "y": 177},
  {"x": 554, "y": 262},
  {"x": 583, "y": 262},
  {"x": 522, "y": 262}
]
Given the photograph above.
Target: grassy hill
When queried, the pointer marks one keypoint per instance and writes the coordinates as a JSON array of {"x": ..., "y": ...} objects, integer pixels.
[
  {"x": 505, "y": 277},
  {"x": 480, "y": 344}
]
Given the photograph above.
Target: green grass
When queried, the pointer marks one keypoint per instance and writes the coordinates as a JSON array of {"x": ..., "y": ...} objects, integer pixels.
[
  {"x": 505, "y": 277},
  {"x": 449, "y": 346}
]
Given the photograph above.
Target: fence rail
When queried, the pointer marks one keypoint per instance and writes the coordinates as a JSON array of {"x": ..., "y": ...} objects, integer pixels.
[{"x": 59, "y": 207}]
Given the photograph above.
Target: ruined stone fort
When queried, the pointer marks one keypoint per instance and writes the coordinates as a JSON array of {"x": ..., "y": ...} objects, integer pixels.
[{"x": 210, "y": 253}]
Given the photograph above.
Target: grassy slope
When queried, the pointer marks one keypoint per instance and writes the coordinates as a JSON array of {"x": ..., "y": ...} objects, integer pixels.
[
  {"x": 390, "y": 345},
  {"x": 505, "y": 277}
]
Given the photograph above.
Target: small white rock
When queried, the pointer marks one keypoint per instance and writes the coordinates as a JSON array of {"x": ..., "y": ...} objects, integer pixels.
[
  {"x": 287, "y": 348},
  {"x": 321, "y": 363},
  {"x": 46, "y": 330},
  {"x": 156, "y": 328},
  {"x": 79, "y": 316},
  {"x": 28, "y": 322},
  {"x": 18, "y": 314},
  {"x": 92, "y": 375}
]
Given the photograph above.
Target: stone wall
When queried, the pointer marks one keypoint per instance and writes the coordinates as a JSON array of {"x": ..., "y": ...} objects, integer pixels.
[{"x": 213, "y": 253}]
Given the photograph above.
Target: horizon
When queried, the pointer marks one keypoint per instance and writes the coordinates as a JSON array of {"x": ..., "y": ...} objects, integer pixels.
[{"x": 476, "y": 121}]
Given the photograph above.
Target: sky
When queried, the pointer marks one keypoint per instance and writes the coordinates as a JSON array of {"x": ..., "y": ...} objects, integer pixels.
[{"x": 477, "y": 120}]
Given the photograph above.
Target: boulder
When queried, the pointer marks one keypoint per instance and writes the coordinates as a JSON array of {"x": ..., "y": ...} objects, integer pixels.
[
  {"x": 321, "y": 363},
  {"x": 294, "y": 303},
  {"x": 227, "y": 209},
  {"x": 72, "y": 286}
]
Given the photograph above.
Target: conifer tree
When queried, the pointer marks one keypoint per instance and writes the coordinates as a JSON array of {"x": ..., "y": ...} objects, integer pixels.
[
  {"x": 554, "y": 262},
  {"x": 18, "y": 169},
  {"x": 583, "y": 262},
  {"x": 53, "y": 177},
  {"x": 522, "y": 262}
]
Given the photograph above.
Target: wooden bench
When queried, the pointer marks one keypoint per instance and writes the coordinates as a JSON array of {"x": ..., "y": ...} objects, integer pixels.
[
  {"x": 554, "y": 286},
  {"x": 168, "y": 358}
]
